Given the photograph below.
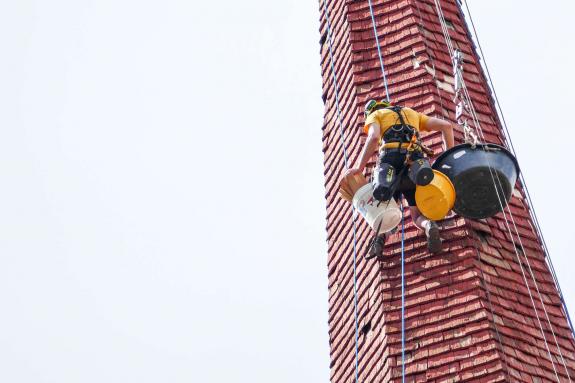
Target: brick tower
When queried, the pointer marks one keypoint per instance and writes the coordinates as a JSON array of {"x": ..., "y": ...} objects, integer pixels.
[{"x": 483, "y": 310}]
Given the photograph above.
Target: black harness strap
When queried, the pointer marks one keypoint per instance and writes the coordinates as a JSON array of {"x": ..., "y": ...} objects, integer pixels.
[{"x": 398, "y": 133}]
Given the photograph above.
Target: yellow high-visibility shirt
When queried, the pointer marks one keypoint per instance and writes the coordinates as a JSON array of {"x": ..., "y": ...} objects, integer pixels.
[{"x": 387, "y": 118}]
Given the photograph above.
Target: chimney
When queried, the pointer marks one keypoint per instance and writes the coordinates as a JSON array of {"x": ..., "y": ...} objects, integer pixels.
[{"x": 485, "y": 309}]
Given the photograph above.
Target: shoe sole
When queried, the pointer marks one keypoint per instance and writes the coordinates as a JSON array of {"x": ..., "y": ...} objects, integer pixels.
[{"x": 434, "y": 241}]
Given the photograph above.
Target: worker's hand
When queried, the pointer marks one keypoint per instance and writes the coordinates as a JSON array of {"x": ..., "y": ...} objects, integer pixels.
[{"x": 351, "y": 172}]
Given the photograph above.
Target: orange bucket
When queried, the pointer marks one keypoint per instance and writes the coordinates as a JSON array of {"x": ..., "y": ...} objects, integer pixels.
[{"x": 436, "y": 199}]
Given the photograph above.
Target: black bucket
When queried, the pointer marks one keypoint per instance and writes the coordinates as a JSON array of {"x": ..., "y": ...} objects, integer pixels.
[{"x": 483, "y": 178}]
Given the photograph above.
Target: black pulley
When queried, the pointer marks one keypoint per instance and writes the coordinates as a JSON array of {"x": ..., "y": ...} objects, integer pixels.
[{"x": 483, "y": 177}]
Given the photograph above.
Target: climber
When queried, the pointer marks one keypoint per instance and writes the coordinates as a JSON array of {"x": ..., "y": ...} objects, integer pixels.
[{"x": 397, "y": 129}]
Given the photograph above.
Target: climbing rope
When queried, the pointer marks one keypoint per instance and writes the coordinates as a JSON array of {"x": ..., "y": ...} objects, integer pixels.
[
  {"x": 401, "y": 204},
  {"x": 528, "y": 265},
  {"x": 532, "y": 211},
  {"x": 470, "y": 137},
  {"x": 402, "y": 295},
  {"x": 354, "y": 215},
  {"x": 480, "y": 132},
  {"x": 538, "y": 231},
  {"x": 378, "y": 50}
]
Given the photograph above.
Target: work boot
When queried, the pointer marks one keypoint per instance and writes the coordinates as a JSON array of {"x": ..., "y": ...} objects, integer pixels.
[
  {"x": 433, "y": 239},
  {"x": 375, "y": 246}
]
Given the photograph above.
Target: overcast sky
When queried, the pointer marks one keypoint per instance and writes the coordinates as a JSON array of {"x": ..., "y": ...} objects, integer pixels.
[{"x": 161, "y": 208}]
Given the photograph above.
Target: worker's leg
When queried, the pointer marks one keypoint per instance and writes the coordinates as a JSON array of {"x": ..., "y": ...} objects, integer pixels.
[
  {"x": 429, "y": 227},
  {"x": 418, "y": 219},
  {"x": 397, "y": 161},
  {"x": 387, "y": 173},
  {"x": 377, "y": 243},
  {"x": 381, "y": 192}
]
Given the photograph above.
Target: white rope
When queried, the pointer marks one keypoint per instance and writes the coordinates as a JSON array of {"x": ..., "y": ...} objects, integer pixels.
[
  {"x": 476, "y": 121},
  {"x": 428, "y": 51},
  {"x": 532, "y": 214},
  {"x": 479, "y": 130},
  {"x": 471, "y": 137},
  {"x": 481, "y": 134}
]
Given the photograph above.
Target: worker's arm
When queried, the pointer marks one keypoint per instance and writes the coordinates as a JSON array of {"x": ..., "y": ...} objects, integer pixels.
[
  {"x": 369, "y": 147},
  {"x": 445, "y": 127}
]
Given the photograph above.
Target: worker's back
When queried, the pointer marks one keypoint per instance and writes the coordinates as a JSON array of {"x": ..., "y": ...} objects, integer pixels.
[{"x": 388, "y": 117}]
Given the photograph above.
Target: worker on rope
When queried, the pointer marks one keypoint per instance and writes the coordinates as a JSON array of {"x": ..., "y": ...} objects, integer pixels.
[{"x": 402, "y": 163}]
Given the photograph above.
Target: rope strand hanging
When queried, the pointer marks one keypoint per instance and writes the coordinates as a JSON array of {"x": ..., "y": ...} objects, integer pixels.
[
  {"x": 402, "y": 295},
  {"x": 479, "y": 131},
  {"x": 537, "y": 231},
  {"x": 481, "y": 134},
  {"x": 387, "y": 95},
  {"x": 469, "y": 137},
  {"x": 354, "y": 215},
  {"x": 532, "y": 211}
]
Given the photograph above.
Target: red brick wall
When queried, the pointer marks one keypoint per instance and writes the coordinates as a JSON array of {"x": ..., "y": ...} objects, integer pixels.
[{"x": 469, "y": 316}]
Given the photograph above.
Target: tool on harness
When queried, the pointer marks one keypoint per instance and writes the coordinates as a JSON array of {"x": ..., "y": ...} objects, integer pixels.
[
  {"x": 420, "y": 172},
  {"x": 384, "y": 182}
]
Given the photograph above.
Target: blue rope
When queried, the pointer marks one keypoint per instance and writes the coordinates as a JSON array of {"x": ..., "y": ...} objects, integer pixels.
[
  {"x": 402, "y": 296},
  {"x": 402, "y": 213},
  {"x": 353, "y": 209},
  {"x": 379, "y": 50}
]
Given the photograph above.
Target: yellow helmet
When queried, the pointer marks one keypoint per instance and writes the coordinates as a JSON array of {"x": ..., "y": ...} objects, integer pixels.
[{"x": 373, "y": 105}]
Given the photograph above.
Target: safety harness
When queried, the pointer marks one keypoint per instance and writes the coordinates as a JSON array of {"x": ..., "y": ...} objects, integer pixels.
[
  {"x": 401, "y": 132},
  {"x": 403, "y": 136}
]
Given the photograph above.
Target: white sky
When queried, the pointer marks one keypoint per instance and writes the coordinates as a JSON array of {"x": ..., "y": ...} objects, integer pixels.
[{"x": 161, "y": 212}]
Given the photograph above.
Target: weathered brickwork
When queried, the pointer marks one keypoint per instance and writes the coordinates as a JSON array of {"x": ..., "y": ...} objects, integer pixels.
[{"x": 469, "y": 316}]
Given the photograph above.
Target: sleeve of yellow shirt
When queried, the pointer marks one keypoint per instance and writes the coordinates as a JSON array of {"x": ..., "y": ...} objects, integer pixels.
[
  {"x": 423, "y": 119},
  {"x": 368, "y": 121}
]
